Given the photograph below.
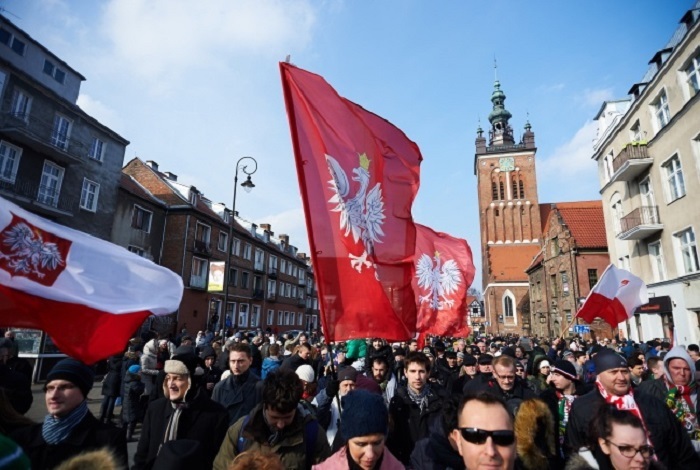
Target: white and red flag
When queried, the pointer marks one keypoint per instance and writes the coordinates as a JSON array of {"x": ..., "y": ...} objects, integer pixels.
[
  {"x": 615, "y": 297},
  {"x": 89, "y": 295},
  {"x": 358, "y": 176},
  {"x": 444, "y": 271}
]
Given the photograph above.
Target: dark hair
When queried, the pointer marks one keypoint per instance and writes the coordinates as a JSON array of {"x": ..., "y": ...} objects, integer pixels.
[
  {"x": 449, "y": 413},
  {"x": 418, "y": 358},
  {"x": 634, "y": 361},
  {"x": 485, "y": 398},
  {"x": 652, "y": 362},
  {"x": 602, "y": 423},
  {"x": 282, "y": 389},
  {"x": 382, "y": 360},
  {"x": 240, "y": 347},
  {"x": 694, "y": 348},
  {"x": 274, "y": 349}
]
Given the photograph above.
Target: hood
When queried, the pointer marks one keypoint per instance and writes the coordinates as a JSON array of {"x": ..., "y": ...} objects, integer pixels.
[
  {"x": 206, "y": 352},
  {"x": 679, "y": 352},
  {"x": 534, "y": 427},
  {"x": 150, "y": 348}
]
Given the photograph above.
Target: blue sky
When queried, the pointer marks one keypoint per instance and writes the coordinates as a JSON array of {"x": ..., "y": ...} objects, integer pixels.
[{"x": 195, "y": 85}]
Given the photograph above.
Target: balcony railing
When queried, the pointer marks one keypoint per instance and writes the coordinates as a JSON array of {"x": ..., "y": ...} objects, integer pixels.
[
  {"x": 272, "y": 297},
  {"x": 272, "y": 273},
  {"x": 630, "y": 162},
  {"x": 259, "y": 268},
  {"x": 38, "y": 133},
  {"x": 301, "y": 302},
  {"x": 258, "y": 294},
  {"x": 202, "y": 247},
  {"x": 45, "y": 196},
  {"x": 198, "y": 282},
  {"x": 640, "y": 223}
]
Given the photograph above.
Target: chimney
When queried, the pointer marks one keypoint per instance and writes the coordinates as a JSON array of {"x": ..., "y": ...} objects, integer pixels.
[
  {"x": 267, "y": 227},
  {"x": 152, "y": 164},
  {"x": 284, "y": 241},
  {"x": 253, "y": 229},
  {"x": 301, "y": 255},
  {"x": 170, "y": 176}
]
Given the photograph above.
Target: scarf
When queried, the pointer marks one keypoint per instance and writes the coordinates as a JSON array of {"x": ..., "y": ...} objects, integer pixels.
[
  {"x": 421, "y": 398},
  {"x": 565, "y": 402},
  {"x": 625, "y": 402},
  {"x": 679, "y": 400},
  {"x": 56, "y": 430},
  {"x": 173, "y": 422}
]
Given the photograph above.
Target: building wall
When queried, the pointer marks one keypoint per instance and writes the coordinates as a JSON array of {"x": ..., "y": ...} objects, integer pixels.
[{"x": 124, "y": 234}]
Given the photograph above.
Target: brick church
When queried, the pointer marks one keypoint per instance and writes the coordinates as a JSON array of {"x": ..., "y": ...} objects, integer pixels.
[{"x": 512, "y": 222}]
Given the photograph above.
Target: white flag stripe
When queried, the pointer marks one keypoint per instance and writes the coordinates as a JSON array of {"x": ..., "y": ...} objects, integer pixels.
[
  {"x": 98, "y": 274},
  {"x": 623, "y": 285}
]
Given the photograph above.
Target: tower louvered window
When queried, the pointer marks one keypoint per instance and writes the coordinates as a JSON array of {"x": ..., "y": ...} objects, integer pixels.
[
  {"x": 494, "y": 190},
  {"x": 522, "y": 189},
  {"x": 514, "y": 185},
  {"x": 502, "y": 191}
]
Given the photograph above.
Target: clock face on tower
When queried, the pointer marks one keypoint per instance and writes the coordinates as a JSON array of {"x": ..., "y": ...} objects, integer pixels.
[{"x": 506, "y": 164}]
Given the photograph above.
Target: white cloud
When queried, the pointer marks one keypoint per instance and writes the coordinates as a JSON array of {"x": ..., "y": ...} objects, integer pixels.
[
  {"x": 595, "y": 98},
  {"x": 100, "y": 111},
  {"x": 292, "y": 223},
  {"x": 572, "y": 160},
  {"x": 160, "y": 39}
]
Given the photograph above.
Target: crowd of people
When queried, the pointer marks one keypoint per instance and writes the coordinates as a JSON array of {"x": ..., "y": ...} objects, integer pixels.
[{"x": 263, "y": 401}]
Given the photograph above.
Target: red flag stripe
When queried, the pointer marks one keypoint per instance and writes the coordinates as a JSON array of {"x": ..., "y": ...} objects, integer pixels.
[{"x": 78, "y": 331}]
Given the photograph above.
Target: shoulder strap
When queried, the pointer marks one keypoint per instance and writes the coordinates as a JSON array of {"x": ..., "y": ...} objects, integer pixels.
[
  {"x": 240, "y": 442},
  {"x": 310, "y": 435}
]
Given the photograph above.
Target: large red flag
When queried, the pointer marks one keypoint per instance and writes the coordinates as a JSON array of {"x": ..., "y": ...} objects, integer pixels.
[
  {"x": 444, "y": 271},
  {"x": 358, "y": 176},
  {"x": 87, "y": 294}
]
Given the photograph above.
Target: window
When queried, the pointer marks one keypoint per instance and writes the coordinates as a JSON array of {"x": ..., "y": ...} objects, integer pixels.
[
  {"x": 295, "y": 270},
  {"x": 270, "y": 318},
  {"x": 280, "y": 318},
  {"x": 50, "y": 186},
  {"x": 283, "y": 265},
  {"x": 50, "y": 69},
  {"x": 514, "y": 187},
  {"x": 61, "y": 132},
  {"x": 89, "y": 195},
  {"x": 243, "y": 315},
  {"x": 247, "y": 251},
  {"x": 554, "y": 247},
  {"x": 494, "y": 191},
  {"x": 271, "y": 287},
  {"x": 9, "y": 161},
  {"x": 661, "y": 110},
  {"x": 223, "y": 241},
  {"x": 616, "y": 210},
  {"x": 553, "y": 285},
  {"x": 636, "y": 132},
  {"x": 259, "y": 260},
  {"x": 592, "y": 278},
  {"x": 198, "y": 277},
  {"x": 230, "y": 313},
  {"x": 141, "y": 219},
  {"x": 567, "y": 315},
  {"x": 272, "y": 264},
  {"x": 608, "y": 166},
  {"x": 12, "y": 42},
  {"x": 522, "y": 189},
  {"x": 508, "y": 306},
  {"x": 623, "y": 262},
  {"x": 287, "y": 290},
  {"x": 294, "y": 292},
  {"x": 688, "y": 250},
  {"x": 692, "y": 71},
  {"x": 236, "y": 247},
  {"x": 300, "y": 319},
  {"x": 233, "y": 277},
  {"x": 245, "y": 277},
  {"x": 96, "y": 149},
  {"x": 21, "y": 104},
  {"x": 674, "y": 177},
  {"x": 255, "y": 316},
  {"x": 287, "y": 320},
  {"x": 137, "y": 250},
  {"x": 202, "y": 233},
  {"x": 656, "y": 259},
  {"x": 501, "y": 191},
  {"x": 564, "y": 283},
  {"x": 257, "y": 283}
]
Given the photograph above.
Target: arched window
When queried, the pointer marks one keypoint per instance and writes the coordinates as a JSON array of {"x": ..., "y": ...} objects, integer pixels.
[
  {"x": 522, "y": 189},
  {"x": 502, "y": 191},
  {"x": 515, "y": 187},
  {"x": 508, "y": 306},
  {"x": 494, "y": 190}
]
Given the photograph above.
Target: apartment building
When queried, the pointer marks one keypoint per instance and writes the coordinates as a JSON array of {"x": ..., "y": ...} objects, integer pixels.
[{"x": 648, "y": 155}]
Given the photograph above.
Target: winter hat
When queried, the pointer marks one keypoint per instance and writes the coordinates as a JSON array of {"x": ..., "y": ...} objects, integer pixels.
[
  {"x": 508, "y": 351},
  {"x": 12, "y": 457},
  {"x": 485, "y": 359},
  {"x": 306, "y": 373},
  {"x": 134, "y": 369},
  {"x": 565, "y": 368},
  {"x": 469, "y": 360},
  {"x": 175, "y": 366},
  {"x": 207, "y": 351},
  {"x": 364, "y": 413},
  {"x": 460, "y": 355},
  {"x": 347, "y": 373},
  {"x": 544, "y": 363},
  {"x": 679, "y": 352},
  {"x": 357, "y": 348},
  {"x": 74, "y": 372},
  {"x": 608, "y": 359},
  {"x": 450, "y": 355}
]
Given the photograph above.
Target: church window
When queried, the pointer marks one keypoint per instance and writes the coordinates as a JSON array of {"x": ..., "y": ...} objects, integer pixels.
[
  {"x": 508, "y": 306},
  {"x": 515, "y": 187},
  {"x": 502, "y": 190},
  {"x": 522, "y": 189},
  {"x": 494, "y": 190}
]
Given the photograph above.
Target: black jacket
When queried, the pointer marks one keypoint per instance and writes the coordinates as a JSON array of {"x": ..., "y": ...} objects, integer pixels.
[
  {"x": 203, "y": 420},
  {"x": 238, "y": 395},
  {"x": 670, "y": 441},
  {"x": 513, "y": 398},
  {"x": 112, "y": 383},
  {"x": 18, "y": 389},
  {"x": 88, "y": 435},
  {"x": 435, "y": 452},
  {"x": 133, "y": 407},
  {"x": 409, "y": 423}
]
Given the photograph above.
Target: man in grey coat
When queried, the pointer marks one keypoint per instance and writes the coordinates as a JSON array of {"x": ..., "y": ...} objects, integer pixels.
[{"x": 240, "y": 391}]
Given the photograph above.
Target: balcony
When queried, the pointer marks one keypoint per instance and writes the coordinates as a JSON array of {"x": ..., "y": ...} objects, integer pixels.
[
  {"x": 272, "y": 297},
  {"x": 259, "y": 268},
  {"x": 202, "y": 247},
  {"x": 258, "y": 294},
  {"x": 631, "y": 162},
  {"x": 640, "y": 223},
  {"x": 198, "y": 282},
  {"x": 301, "y": 302},
  {"x": 272, "y": 273},
  {"x": 41, "y": 136},
  {"x": 302, "y": 282},
  {"x": 45, "y": 200}
]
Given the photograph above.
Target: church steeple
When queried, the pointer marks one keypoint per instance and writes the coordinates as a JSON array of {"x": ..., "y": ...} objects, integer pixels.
[{"x": 501, "y": 133}]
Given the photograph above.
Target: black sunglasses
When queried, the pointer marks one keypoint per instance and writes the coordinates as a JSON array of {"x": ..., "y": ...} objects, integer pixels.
[{"x": 479, "y": 436}]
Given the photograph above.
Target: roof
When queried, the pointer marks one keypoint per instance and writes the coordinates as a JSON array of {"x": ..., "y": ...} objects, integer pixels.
[
  {"x": 129, "y": 184},
  {"x": 585, "y": 221},
  {"x": 536, "y": 262},
  {"x": 509, "y": 262}
]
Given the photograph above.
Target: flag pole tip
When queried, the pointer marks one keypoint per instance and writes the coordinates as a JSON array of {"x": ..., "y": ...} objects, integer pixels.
[{"x": 288, "y": 59}]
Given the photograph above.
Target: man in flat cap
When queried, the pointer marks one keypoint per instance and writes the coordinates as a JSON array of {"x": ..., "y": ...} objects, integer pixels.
[
  {"x": 69, "y": 428},
  {"x": 613, "y": 387}
]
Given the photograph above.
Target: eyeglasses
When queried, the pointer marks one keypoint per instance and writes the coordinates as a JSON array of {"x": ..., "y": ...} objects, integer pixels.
[
  {"x": 631, "y": 451},
  {"x": 478, "y": 436}
]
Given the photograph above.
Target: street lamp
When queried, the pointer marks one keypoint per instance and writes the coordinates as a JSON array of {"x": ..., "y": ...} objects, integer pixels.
[{"x": 248, "y": 186}]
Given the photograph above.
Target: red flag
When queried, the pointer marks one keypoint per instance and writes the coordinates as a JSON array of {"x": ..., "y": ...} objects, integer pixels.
[
  {"x": 358, "y": 176},
  {"x": 615, "y": 297},
  {"x": 87, "y": 294},
  {"x": 444, "y": 271}
]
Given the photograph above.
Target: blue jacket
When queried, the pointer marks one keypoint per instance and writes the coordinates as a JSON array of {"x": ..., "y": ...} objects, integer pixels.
[{"x": 269, "y": 364}]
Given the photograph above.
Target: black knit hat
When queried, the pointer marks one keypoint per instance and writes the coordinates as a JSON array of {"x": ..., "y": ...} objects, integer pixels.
[
  {"x": 469, "y": 360},
  {"x": 74, "y": 372},
  {"x": 565, "y": 368},
  {"x": 364, "y": 413}
]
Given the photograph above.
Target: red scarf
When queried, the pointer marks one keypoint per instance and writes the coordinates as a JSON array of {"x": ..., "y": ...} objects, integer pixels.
[{"x": 625, "y": 402}]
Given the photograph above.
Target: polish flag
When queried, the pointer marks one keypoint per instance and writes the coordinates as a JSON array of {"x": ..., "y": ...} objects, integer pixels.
[
  {"x": 615, "y": 297},
  {"x": 87, "y": 294}
]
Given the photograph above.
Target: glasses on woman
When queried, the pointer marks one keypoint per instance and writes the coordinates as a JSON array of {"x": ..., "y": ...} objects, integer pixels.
[
  {"x": 630, "y": 451},
  {"x": 478, "y": 436}
]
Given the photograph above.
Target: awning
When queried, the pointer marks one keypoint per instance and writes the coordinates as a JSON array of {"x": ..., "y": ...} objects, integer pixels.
[{"x": 658, "y": 305}]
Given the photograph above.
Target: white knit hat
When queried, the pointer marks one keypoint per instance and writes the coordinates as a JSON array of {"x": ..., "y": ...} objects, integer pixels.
[{"x": 306, "y": 373}]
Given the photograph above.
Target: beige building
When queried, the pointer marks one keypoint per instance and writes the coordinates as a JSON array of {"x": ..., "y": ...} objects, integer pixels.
[{"x": 648, "y": 155}]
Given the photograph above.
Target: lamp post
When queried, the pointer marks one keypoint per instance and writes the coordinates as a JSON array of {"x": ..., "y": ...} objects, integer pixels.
[{"x": 248, "y": 186}]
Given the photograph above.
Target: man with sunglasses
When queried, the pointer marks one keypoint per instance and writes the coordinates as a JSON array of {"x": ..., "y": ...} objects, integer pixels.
[
  {"x": 485, "y": 436},
  {"x": 503, "y": 383}
]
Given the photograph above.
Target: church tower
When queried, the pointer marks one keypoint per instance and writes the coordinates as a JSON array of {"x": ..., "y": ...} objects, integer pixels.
[{"x": 509, "y": 218}]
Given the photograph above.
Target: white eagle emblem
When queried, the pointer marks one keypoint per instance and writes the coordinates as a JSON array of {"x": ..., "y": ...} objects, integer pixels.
[
  {"x": 361, "y": 215},
  {"x": 439, "y": 280},
  {"x": 29, "y": 254}
]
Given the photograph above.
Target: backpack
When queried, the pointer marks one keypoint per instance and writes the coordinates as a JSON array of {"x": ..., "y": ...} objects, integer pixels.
[{"x": 310, "y": 435}]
